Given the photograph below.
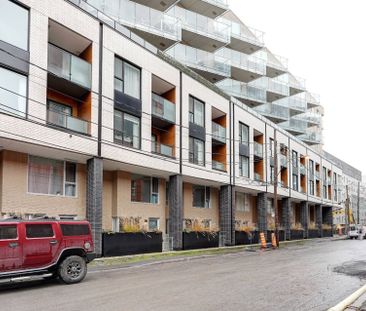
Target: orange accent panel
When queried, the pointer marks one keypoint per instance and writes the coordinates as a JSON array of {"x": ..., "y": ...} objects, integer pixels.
[
  {"x": 87, "y": 54},
  {"x": 170, "y": 95}
]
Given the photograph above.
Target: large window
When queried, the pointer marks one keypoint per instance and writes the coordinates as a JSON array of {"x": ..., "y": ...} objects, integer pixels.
[
  {"x": 196, "y": 151},
  {"x": 196, "y": 111},
  {"x": 144, "y": 189},
  {"x": 295, "y": 160},
  {"x": 201, "y": 196},
  {"x": 154, "y": 224},
  {"x": 126, "y": 129},
  {"x": 295, "y": 182},
  {"x": 311, "y": 168},
  {"x": 52, "y": 177},
  {"x": 243, "y": 134},
  {"x": 13, "y": 92},
  {"x": 14, "y": 24},
  {"x": 244, "y": 166},
  {"x": 127, "y": 78},
  {"x": 242, "y": 202},
  {"x": 311, "y": 187}
]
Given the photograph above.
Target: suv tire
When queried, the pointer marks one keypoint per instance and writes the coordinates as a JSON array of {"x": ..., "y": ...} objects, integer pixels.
[{"x": 72, "y": 269}]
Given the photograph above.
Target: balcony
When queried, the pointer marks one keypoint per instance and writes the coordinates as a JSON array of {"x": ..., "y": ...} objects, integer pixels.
[
  {"x": 257, "y": 177},
  {"x": 218, "y": 133},
  {"x": 163, "y": 108},
  {"x": 216, "y": 165},
  {"x": 163, "y": 149},
  {"x": 258, "y": 150},
  {"x": 157, "y": 5},
  {"x": 209, "y": 8},
  {"x": 283, "y": 161},
  {"x": 295, "y": 126},
  {"x": 251, "y": 95},
  {"x": 313, "y": 100},
  {"x": 68, "y": 122},
  {"x": 200, "y": 31},
  {"x": 69, "y": 73},
  {"x": 312, "y": 138},
  {"x": 243, "y": 38},
  {"x": 296, "y": 104},
  {"x": 275, "y": 88},
  {"x": 317, "y": 175},
  {"x": 275, "y": 113},
  {"x": 156, "y": 27},
  {"x": 244, "y": 68},
  {"x": 213, "y": 67},
  {"x": 312, "y": 117},
  {"x": 302, "y": 169},
  {"x": 276, "y": 65}
]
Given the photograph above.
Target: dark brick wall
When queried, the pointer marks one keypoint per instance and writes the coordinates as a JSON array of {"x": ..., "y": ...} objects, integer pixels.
[
  {"x": 319, "y": 217},
  {"x": 286, "y": 216},
  {"x": 327, "y": 214},
  {"x": 175, "y": 201},
  {"x": 94, "y": 200},
  {"x": 262, "y": 203},
  {"x": 227, "y": 214},
  {"x": 304, "y": 217}
]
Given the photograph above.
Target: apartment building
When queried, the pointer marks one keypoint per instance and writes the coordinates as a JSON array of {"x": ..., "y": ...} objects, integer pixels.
[{"x": 97, "y": 123}]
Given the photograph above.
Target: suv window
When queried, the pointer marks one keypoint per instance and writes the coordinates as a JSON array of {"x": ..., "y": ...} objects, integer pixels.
[
  {"x": 8, "y": 232},
  {"x": 72, "y": 230},
  {"x": 39, "y": 231}
]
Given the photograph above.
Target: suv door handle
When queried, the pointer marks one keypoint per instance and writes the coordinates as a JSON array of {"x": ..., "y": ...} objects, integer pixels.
[
  {"x": 53, "y": 242},
  {"x": 13, "y": 244}
]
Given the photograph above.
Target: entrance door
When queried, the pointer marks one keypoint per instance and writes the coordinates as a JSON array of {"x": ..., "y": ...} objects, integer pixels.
[{"x": 10, "y": 248}]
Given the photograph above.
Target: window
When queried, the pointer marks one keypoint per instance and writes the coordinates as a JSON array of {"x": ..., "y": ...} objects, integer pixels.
[
  {"x": 115, "y": 224},
  {"x": 52, "y": 177},
  {"x": 8, "y": 232},
  {"x": 244, "y": 166},
  {"x": 153, "y": 224},
  {"x": 272, "y": 175},
  {"x": 294, "y": 159},
  {"x": 325, "y": 192},
  {"x": 127, "y": 78},
  {"x": 311, "y": 168},
  {"x": 201, "y": 196},
  {"x": 14, "y": 24},
  {"x": 196, "y": 151},
  {"x": 73, "y": 230},
  {"x": 58, "y": 114},
  {"x": 13, "y": 91},
  {"x": 144, "y": 189},
  {"x": 126, "y": 129},
  {"x": 295, "y": 182},
  {"x": 243, "y": 134},
  {"x": 39, "y": 231},
  {"x": 196, "y": 111},
  {"x": 311, "y": 186},
  {"x": 242, "y": 202}
]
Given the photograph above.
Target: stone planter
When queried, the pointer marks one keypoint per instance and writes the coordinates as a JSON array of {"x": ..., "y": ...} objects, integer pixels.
[
  {"x": 297, "y": 234},
  {"x": 246, "y": 238},
  {"x": 313, "y": 233},
  {"x": 197, "y": 240}
]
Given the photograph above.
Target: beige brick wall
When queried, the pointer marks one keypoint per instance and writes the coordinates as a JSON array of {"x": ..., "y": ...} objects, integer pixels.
[
  {"x": 1, "y": 181},
  {"x": 117, "y": 201},
  {"x": 247, "y": 218},
  {"x": 191, "y": 212},
  {"x": 15, "y": 196}
]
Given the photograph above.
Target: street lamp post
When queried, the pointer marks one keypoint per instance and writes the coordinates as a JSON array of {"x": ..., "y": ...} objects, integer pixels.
[{"x": 276, "y": 189}]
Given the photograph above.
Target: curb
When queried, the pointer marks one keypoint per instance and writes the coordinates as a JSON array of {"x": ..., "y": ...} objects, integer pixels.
[{"x": 349, "y": 300}]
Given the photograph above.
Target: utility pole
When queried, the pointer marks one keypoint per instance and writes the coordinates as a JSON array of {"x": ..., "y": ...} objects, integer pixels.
[
  {"x": 347, "y": 210},
  {"x": 358, "y": 203},
  {"x": 275, "y": 187}
]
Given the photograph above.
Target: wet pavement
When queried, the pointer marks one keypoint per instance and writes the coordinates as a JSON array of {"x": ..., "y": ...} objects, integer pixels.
[{"x": 310, "y": 276}]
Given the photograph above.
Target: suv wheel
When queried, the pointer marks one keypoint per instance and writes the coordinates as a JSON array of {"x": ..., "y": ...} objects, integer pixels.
[{"x": 72, "y": 269}]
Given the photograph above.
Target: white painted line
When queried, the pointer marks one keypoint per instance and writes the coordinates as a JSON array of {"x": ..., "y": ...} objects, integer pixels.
[{"x": 349, "y": 300}]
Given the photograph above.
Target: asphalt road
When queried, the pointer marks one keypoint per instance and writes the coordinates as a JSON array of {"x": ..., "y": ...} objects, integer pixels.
[{"x": 312, "y": 276}]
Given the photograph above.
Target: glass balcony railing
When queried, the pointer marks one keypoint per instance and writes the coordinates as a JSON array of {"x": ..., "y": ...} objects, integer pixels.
[
  {"x": 295, "y": 102},
  {"x": 162, "y": 149},
  {"x": 302, "y": 169},
  {"x": 244, "y": 33},
  {"x": 243, "y": 61},
  {"x": 283, "y": 160},
  {"x": 258, "y": 149},
  {"x": 272, "y": 85},
  {"x": 243, "y": 90},
  {"x": 274, "y": 61},
  {"x": 311, "y": 117},
  {"x": 313, "y": 99},
  {"x": 312, "y": 137},
  {"x": 163, "y": 108},
  {"x": 68, "y": 122},
  {"x": 218, "y": 132},
  {"x": 257, "y": 177},
  {"x": 317, "y": 174},
  {"x": 216, "y": 165},
  {"x": 141, "y": 17},
  {"x": 222, "y": 3},
  {"x": 69, "y": 66},
  {"x": 295, "y": 125},
  {"x": 200, "y": 59},
  {"x": 273, "y": 110},
  {"x": 201, "y": 24}
]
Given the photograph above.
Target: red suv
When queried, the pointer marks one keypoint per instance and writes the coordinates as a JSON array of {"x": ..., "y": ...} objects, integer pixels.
[{"x": 45, "y": 248}]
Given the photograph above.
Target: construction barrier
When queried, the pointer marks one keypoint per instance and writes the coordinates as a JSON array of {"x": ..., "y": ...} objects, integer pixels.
[
  {"x": 274, "y": 242},
  {"x": 263, "y": 240}
]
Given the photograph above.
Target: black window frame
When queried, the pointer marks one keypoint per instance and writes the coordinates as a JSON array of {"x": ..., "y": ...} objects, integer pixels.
[
  {"x": 295, "y": 185},
  {"x": 192, "y": 152},
  {"x": 207, "y": 196},
  {"x": 241, "y": 166},
  {"x": 241, "y": 126},
  {"x": 123, "y": 60},
  {"x": 192, "y": 113},
  {"x": 122, "y": 142}
]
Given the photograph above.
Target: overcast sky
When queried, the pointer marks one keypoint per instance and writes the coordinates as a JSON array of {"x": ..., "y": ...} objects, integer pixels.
[{"x": 324, "y": 41}]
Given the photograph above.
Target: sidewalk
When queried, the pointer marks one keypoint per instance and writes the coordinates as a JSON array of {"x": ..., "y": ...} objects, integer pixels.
[
  {"x": 134, "y": 260},
  {"x": 359, "y": 304}
]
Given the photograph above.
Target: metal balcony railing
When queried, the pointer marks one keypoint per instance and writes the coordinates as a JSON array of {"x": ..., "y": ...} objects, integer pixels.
[
  {"x": 140, "y": 17},
  {"x": 201, "y": 24},
  {"x": 69, "y": 66},
  {"x": 163, "y": 108},
  {"x": 243, "y": 90},
  {"x": 162, "y": 149},
  {"x": 200, "y": 59},
  {"x": 258, "y": 149},
  {"x": 218, "y": 132},
  {"x": 67, "y": 121},
  {"x": 216, "y": 165}
]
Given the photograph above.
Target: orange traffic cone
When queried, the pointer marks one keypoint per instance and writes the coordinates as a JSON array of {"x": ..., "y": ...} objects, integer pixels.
[
  {"x": 263, "y": 241},
  {"x": 274, "y": 242}
]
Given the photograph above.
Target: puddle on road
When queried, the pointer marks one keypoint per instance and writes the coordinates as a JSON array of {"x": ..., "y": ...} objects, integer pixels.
[{"x": 352, "y": 268}]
